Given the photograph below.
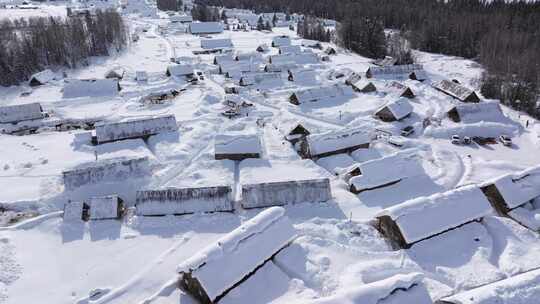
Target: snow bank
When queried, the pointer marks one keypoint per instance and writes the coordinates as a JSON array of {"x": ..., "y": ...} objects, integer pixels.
[
  {"x": 237, "y": 146},
  {"x": 22, "y": 112},
  {"x": 108, "y": 170},
  {"x": 215, "y": 270},
  {"x": 75, "y": 88},
  {"x": 288, "y": 192},
  {"x": 483, "y": 129},
  {"x": 424, "y": 217},
  {"x": 375, "y": 292},
  {"x": 335, "y": 142},
  {"x": 522, "y": 288},
  {"x": 135, "y": 128},
  {"x": 184, "y": 200}
]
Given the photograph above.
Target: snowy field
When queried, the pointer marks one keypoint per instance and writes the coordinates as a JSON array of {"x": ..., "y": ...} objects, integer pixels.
[{"x": 337, "y": 256}]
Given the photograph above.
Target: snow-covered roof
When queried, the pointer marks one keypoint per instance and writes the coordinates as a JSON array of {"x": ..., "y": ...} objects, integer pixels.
[
  {"x": 237, "y": 68},
  {"x": 301, "y": 58},
  {"x": 16, "y": 113},
  {"x": 315, "y": 94},
  {"x": 241, "y": 251},
  {"x": 453, "y": 89},
  {"x": 181, "y": 18},
  {"x": 482, "y": 111},
  {"x": 290, "y": 49},
  {"x": 360, "y": 83},
  {"x": 141, "y": 75},
  {"x": 302, "y": 74},
  {"x": 310, "y": 43},
  {"x": 250, "y": 56},
  {"x": 220, "y": 59},
  {"x": 375, "y": 173},
  {"x": 423, "y": 217},
  {"x": 278, "y": 41},
  {"x": 237, "y": 144},
  {"x": 212, "y": 44},
  {"x": 263, "y": 47},
  {"x": 73, "y": 211},
  {"x": 281, "y": 67},
  {"x": 337, "y": 140},
  {"x": 518, "y": 188},
  {"x": 393, "y": 70},
  {"x": 523, "y": 288},
  {"x": 258, "y": 77},
  {"x": 386, "y": 61},
  {"x": 420, "y": 74},
  {"x": 90, "y": 88},
  {"x": 281, "y": 193},
  {"x": 205, "y": 27},
  {"x": 399, "y": 108},
  {"x": 43, "y": 76},
  {"x": 135, "y": 128},
  {"x": 104, "y": 207},
  {"x": 180, "y": 69}
]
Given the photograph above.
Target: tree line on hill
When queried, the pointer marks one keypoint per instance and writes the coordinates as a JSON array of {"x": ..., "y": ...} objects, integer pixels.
[
  {"x": 33, "y": 44},
  {"x": 170, "y": 5},
  {"x": 504, "y": 37}
]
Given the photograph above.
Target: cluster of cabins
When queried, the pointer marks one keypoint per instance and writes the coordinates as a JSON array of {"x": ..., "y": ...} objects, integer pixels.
[{"x": 516, "y": 196}]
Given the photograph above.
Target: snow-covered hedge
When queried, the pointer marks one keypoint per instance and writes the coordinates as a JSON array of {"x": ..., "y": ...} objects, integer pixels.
[
  {"x": 215, "y": 270},
  {"x": 135, "y": 128},
  {"x": 109, "y": 170},
  {"x": 184, "y": 200},
  {"x": 17, "y": 113},
  {"x": 288, "y": 192}
]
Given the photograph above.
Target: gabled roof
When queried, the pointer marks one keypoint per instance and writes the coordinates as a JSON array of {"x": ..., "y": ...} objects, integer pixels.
[
  {"x": 518, "y": 188},
  {"x": 212, "y": 44},
  {"x": 278, "y": 41},
  {"x": 453, "y": 89},
  {"x": 90, "y": 88},
  {"x": 290, "y": 49},
  {"x": 205, "y": 27},
  {"x": 323, "y": 143},
  {"x": 180, "y": 69},
  {"x": 404, "y": 69},
  {"x": 237, "y": 144},
  {"x": 423, "y": 217},
  {"x": 315, "y": 94},
  {"x": 42, "y": 77},
  {"x": 375, "y": 173},
  {"x": 302, "y": 58},
  {"x": 105, "y": 207},
  {"x": 399, "y": 108},
  {"x": 483, "y": 111},
  {"x": 16, "y": 113}
]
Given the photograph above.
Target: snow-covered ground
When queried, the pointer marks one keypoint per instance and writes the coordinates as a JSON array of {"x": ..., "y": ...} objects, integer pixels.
[{"x": 338, "y": 256}]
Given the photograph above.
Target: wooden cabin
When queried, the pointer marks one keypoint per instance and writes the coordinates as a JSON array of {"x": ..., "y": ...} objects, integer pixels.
[
  {"x": 363, "y": 86},
  {"x": 394, "y": 110},
  {"x": 393, "y": 71},
  {"x": 335, "y": 142},
  {"x": 457, "y": 91},
  {"x": 21, "y": 112}
]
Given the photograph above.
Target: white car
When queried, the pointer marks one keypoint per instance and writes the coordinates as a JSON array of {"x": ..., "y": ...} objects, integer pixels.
[
  {"x": 505, "y": 140},
  {"x": 455, "y": 139},
  {"x": 467, "y": 140}
]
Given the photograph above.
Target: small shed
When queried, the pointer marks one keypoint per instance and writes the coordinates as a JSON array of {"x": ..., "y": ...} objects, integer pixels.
[
  {"x": 75, "y": 88},
  {"x": 330, "y": 51},
  {"x": 320, "y": 93},
  {"x": 237, "y": 146},
  {"x": 116, "y": 73},
  {"x": 476, "y": 112},
  {"x": 363, "y": 86},
  {"x": 335, "y": 142},
  {"x": 178, "y": 201},
  {"x": 106, "y": 207},
  {"x": 17, "y": 113},
  {"x": 282, "y": 40},
  {"x": 136, "y": 128},
  {"x": 393, "y": 70},
  {"x": 419, "y": 75},
  {"x": 141, "y": 76},
  {"x": 290, "y": 49},
  {"x": 75, "y": 211},
  {"x": 457, "y": 91},
  {"x": 180, "y": 70},
  {"x": 203, "y": 28},
  {"x": 243, "y": 251},
  {"x": 285, "y": 192},
  {"x": 41, "y": 78},
  {"x": 394, "y": 110},
  {"x": 400, "y": 90},
  {"x": 405, "y": 224}
]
